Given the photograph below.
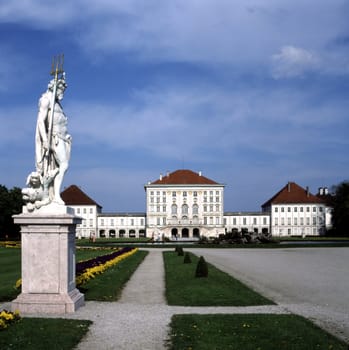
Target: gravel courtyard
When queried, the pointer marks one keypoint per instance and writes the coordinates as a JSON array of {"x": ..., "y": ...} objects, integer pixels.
[{"x": 312, "y": 282}]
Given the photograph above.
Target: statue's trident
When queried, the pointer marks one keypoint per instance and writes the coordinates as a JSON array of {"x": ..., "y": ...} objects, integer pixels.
[{"x": 58, "y": 73}]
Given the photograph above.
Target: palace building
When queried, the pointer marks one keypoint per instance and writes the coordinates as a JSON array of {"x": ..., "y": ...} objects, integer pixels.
[{"x": 187, "y": 205}]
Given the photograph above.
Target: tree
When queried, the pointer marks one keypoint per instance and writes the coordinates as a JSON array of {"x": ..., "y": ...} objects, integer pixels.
[
  {"x": 340, "y": 217},
  {"x": 10, "y": 204}
]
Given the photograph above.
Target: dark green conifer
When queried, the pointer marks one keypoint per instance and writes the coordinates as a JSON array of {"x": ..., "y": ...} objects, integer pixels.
[
  {"x": 201, "y": 268},
  {"x": 187, "y": 259}
]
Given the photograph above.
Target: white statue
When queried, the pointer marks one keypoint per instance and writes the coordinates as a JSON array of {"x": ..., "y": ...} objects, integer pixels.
[{"x": 52, "y": 145}]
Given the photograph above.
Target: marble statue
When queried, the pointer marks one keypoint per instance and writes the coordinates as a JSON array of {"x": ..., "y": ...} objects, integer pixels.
[{"x": 52, "y": 145}]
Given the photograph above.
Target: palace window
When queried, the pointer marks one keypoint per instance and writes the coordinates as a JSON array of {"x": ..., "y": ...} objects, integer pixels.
[
  {"x": 184, "y": 209},
  {"x": 174, "y": 209}
]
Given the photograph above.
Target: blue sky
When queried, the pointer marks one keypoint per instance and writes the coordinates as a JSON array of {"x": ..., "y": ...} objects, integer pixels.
[{"x": 252, "y": 93}]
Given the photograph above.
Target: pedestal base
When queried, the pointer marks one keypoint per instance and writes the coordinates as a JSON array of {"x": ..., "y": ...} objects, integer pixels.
[
  {"x": 27, "y": 303},
  {"x": 48, "y": 264}
]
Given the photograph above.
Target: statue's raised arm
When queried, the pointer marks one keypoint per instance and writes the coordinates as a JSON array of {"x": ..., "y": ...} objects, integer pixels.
[{"x": 52, "y": 145}]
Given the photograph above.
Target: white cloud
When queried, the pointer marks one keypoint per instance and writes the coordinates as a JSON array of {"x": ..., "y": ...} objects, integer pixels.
[
  {"x": 202, "y": 122},
  {"x": 293, "y": 62},
  {"x": 202, "y": 31}
]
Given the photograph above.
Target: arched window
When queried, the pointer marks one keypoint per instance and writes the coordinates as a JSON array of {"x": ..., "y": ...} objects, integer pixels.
[
  {"x": 174, "y": 209},
  {"x": 195, "y": 209},
  {"x": 185, "y": 209}
]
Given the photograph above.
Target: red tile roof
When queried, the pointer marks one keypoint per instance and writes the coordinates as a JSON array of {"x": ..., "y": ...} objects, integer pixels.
[
  {"x": 184, "y": 177},
  {"x": 292, "y": 194},
  {"x": 73, "y": 195}
]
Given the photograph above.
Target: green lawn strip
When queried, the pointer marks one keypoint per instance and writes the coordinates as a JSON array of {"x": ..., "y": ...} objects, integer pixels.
[
  {"x": 108, "y": 285},
  {"x": 86, "y": 254},
  {"x": 43, "y": 333},
  {"x": 10, "y": 268},
  {"x": 218, "y": 289},
  {"x": 110, "y": 241},
  {"x": 10, "y": 272},
  {"x": 248, "y": 332}
]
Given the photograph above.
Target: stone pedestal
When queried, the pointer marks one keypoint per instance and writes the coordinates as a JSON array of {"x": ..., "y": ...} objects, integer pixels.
[{"x": 48, "y": 264}]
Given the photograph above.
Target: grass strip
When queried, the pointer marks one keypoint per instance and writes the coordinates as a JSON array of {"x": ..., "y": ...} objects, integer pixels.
[
  {"x": 10, "y": 272},
  {"x": 108, "y": 286},
  {"x": 248, "y": 332},
  {"x": 218, "y": 289},
  {"x": 10, "y": 269},
  {"x": 43, "y": 334}
]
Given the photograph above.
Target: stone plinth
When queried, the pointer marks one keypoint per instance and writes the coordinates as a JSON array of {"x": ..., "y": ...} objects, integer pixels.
[{"x": 48, "y": 264}]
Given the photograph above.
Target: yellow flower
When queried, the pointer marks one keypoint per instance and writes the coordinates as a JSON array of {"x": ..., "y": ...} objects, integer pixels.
[
  {"x": 18, "y": 283},
  {"x": 96, "y": 270}
]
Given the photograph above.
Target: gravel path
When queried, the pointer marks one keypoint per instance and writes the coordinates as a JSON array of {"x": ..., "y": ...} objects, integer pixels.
[{"x": 140, "y": 319}]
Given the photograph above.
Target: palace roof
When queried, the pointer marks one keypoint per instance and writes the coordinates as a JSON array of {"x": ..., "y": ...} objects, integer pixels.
[
  {"x": 73, "y": 195},
  {"x": 293, "y": 194},
  {"x": 184, "y": 177}
]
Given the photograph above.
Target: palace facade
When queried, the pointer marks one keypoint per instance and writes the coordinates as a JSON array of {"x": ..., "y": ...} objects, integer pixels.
[{"x": 186, "y": 205}]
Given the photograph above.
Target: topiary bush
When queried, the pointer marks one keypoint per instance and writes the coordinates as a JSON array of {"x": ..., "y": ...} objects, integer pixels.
[
  {"x": 201, "y": 268},
  {"x": 180, "y": 251},
  {"x": 187, "y": 259}
]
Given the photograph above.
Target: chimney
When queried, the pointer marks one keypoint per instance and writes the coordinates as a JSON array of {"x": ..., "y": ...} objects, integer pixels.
[
  {"x": 289, "y": 187},
  {"x": 325, "y": 191},
  {"x": 307, "y": 189},
  {"x": 160, "y": 177},
  {"x": 200, "y": 173},
  {"x": 167, "y": 173},
  {"x": 321, "y": 191}
]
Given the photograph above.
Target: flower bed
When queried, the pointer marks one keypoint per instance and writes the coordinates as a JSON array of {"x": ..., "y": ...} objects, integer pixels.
[
  {"x": 7, "y": 317},
  {"x": 86, "y": 270},
  {"x": 10, "y": 244}
]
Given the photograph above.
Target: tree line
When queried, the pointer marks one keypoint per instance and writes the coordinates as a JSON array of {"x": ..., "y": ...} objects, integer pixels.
[{"x": 11, "y": 203}]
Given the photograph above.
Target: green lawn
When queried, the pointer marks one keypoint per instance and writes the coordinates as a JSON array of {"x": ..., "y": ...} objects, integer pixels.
[
  {"x": 218, "y": 289},
  {"x": 43, "y": 334},
  {"x": 249, "y": 332},
  {"x": 10, "y": 272},
  {"x": 10, "y": 268}
]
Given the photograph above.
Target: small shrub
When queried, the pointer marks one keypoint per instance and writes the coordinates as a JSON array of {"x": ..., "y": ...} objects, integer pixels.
[
  {"x": 180, "y": 251},
  {"x": 201, "y": 268},
  {"x": 187, "y": 259}
]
